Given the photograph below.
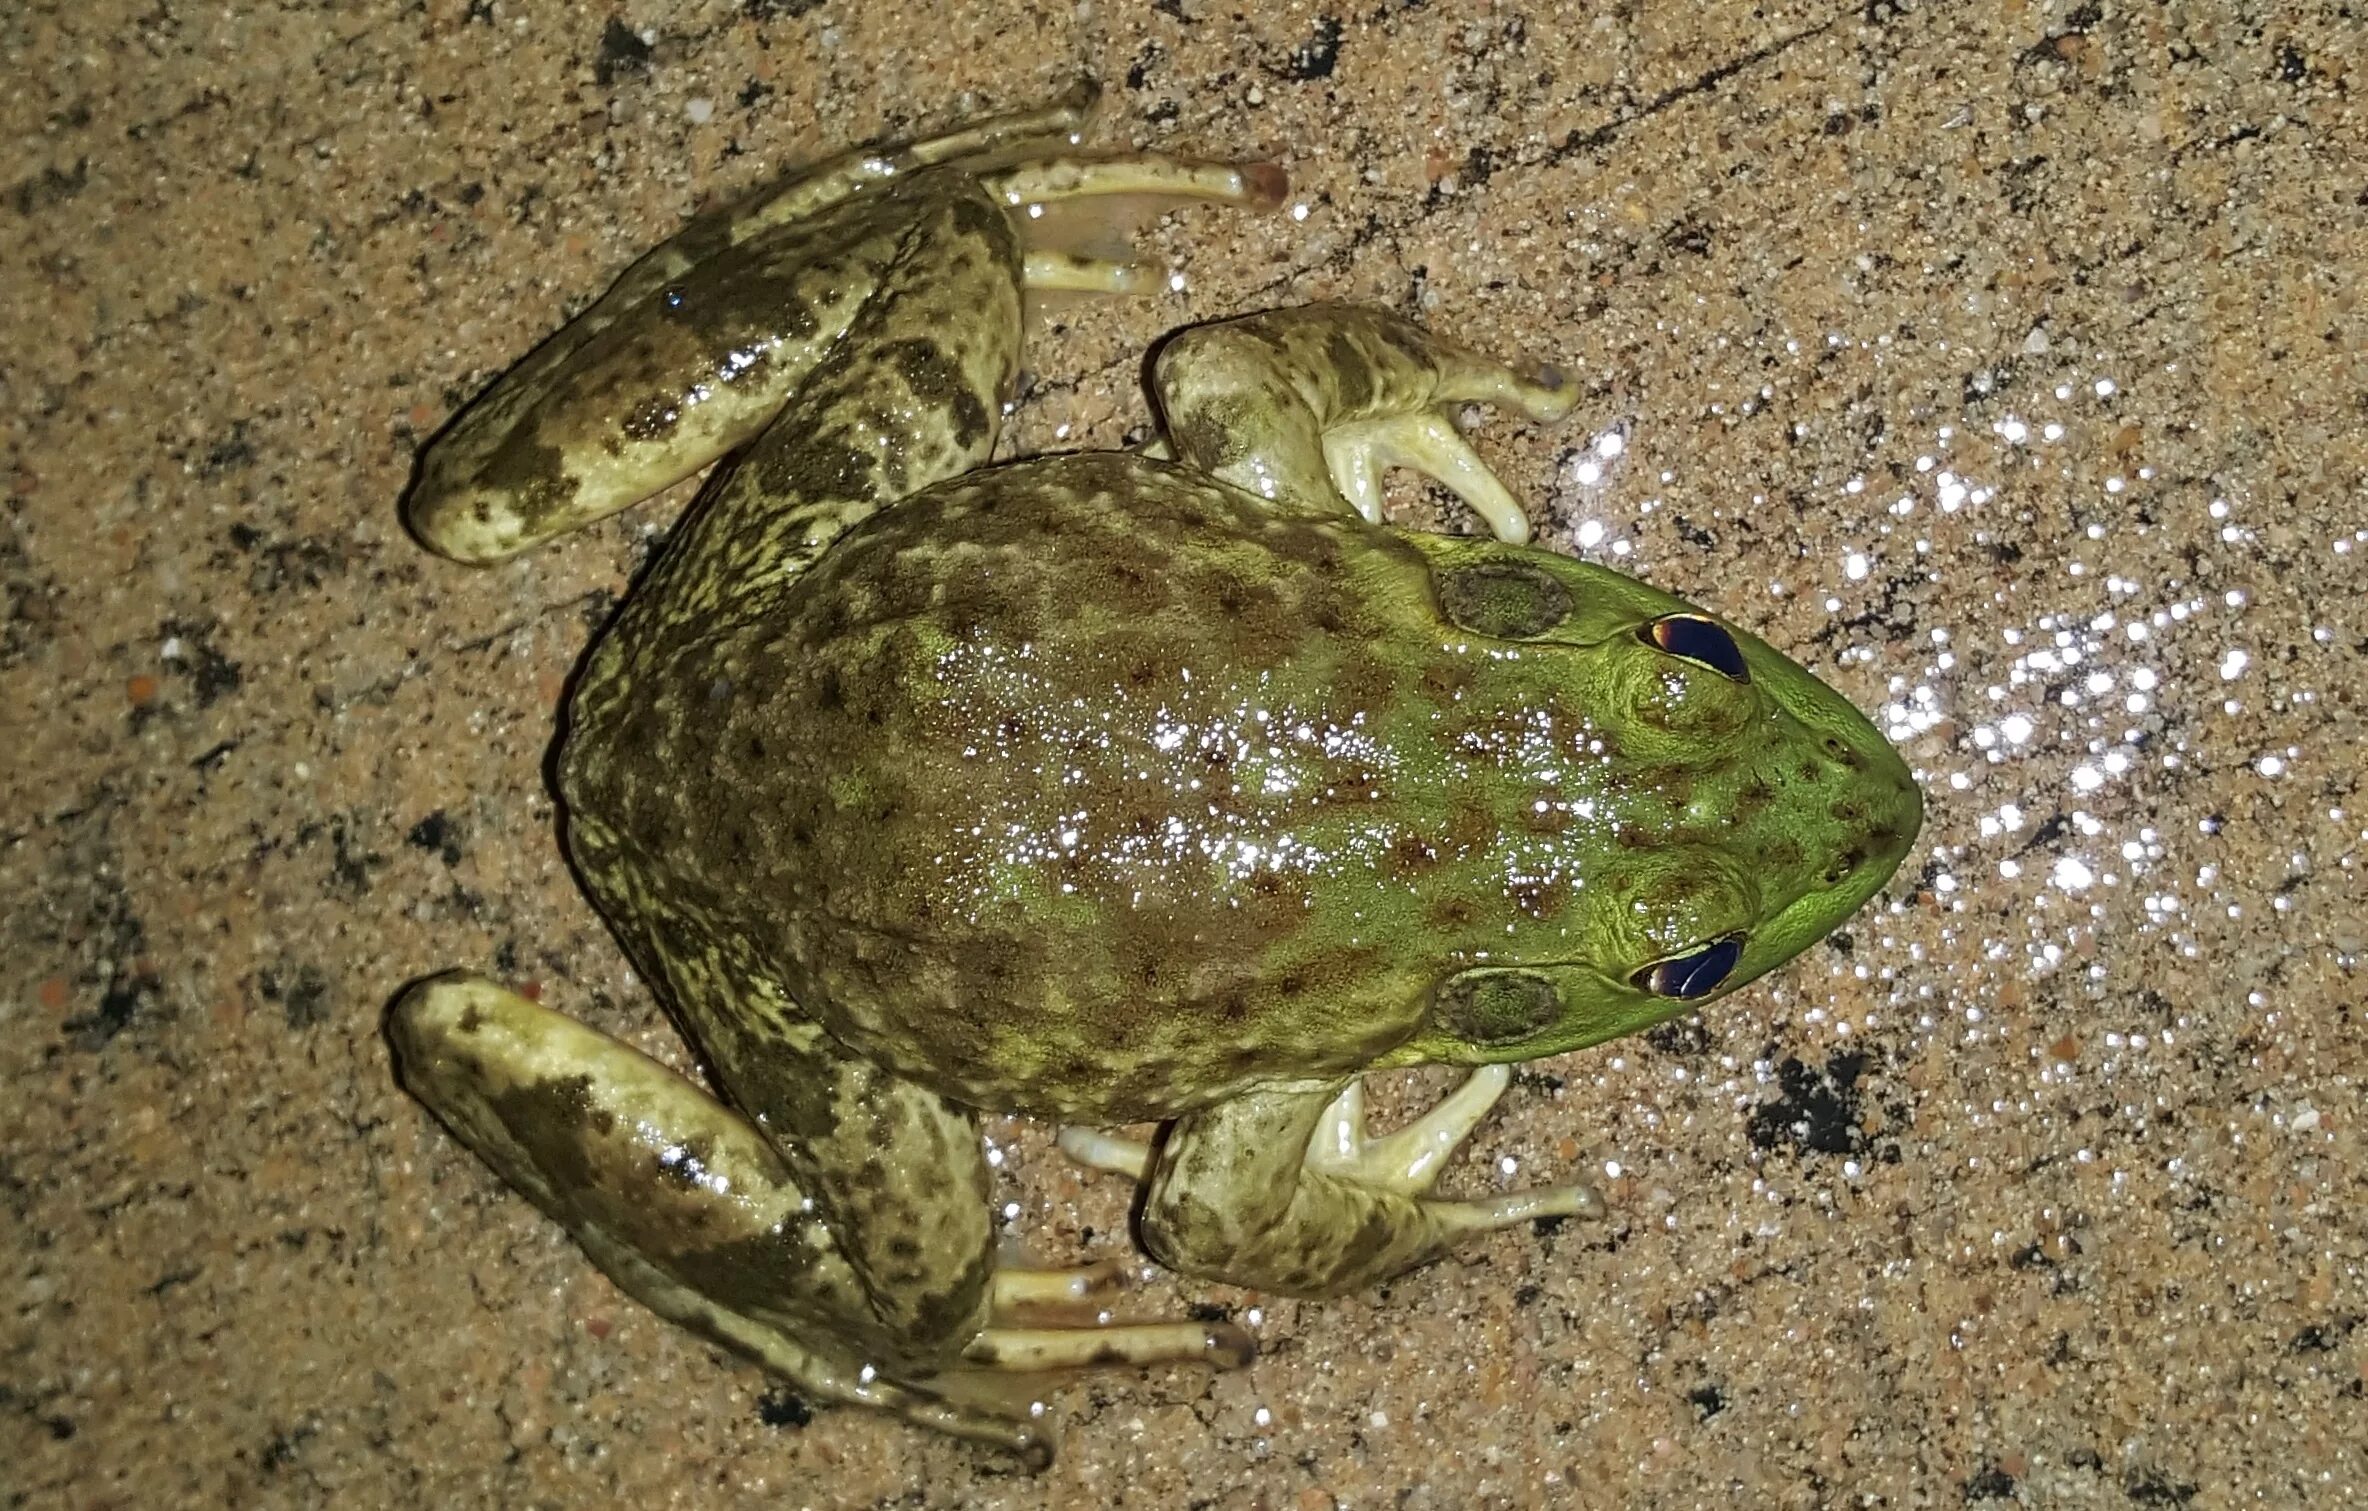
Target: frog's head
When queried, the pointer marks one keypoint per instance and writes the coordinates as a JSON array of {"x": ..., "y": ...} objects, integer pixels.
[{"x": 1722, "y": 810}]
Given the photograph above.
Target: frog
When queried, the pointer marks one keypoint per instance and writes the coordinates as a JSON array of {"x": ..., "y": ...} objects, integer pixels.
[{"x": 1172, "y": 786}]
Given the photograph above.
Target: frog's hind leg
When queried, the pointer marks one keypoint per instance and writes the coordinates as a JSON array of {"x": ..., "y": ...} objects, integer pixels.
[
  {"x": 1281, "y": 1190},
  {"x": 847, "y": 1247},
  {"x": 675, "y": 1197},
  {"x": 689, "y": 353},
  {"x": 1308, "y": 405}
]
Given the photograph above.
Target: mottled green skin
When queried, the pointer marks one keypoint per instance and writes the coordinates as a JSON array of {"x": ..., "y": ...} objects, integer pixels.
[
  {"x": 1099, "y": 787},
  {"x": 1089, "y": 787}
]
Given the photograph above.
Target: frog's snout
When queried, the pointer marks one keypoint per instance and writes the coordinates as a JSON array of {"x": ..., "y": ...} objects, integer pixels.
[
  {"x": 1889, "y": 804},
  {"x": 1873, "y": 803}
]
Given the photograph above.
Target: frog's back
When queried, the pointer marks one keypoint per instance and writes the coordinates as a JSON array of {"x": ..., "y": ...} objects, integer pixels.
[{"x": 1043, "y": 787}]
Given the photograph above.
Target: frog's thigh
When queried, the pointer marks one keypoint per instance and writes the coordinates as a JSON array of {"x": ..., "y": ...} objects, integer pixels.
[
  {"x": 898, "y": 1172},
  {"x": 1308, "y": 405},
  {"x": 1281, "y": 1191},
  {"x": 913, "y": 397},
  {"x": 677, "y": 1199}
]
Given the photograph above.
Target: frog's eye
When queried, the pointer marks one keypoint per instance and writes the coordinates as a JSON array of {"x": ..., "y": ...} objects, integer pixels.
[
  {"x": 1697, "y": 973},
  {"x": 1698, "y": 639}
]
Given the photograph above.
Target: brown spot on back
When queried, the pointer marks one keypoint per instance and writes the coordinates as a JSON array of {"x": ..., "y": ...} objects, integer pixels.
[
  {"x": 1412, "y": 854},
  {"x": 1540, "y": 899}
]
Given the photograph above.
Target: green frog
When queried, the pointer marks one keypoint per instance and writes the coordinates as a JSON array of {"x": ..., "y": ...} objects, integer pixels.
[{"x": 1168, "y": 786}]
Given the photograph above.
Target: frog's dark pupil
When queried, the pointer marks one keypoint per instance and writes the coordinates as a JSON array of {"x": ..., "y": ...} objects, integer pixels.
[
  {"x": 1697, "y": 973},
  {"x": 1506, "y": 600},
  {"x": 1496, "y": 1006},
  {"x": 1699, "y": 640}
]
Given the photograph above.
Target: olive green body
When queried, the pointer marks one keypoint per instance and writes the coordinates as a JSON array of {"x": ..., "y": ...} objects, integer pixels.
[{"x": 1090, "y": 787}]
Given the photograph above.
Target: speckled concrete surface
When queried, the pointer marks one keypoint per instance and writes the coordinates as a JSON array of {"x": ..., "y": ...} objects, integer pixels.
[{"x": 2008, "y": 362}]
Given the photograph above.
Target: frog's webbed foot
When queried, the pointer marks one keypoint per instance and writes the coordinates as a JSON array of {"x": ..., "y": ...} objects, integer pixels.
[
  {"x": 1284, "y": 1191},
  {"x": 1311, "y": 404}
]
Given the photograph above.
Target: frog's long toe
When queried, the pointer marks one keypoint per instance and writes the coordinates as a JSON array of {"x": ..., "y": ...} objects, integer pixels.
[
  {"x": 1427, "y": 442},
  {"x": 1107, "y": 1152},
  {"x": 1013, "y": 1287},
  {"x": 1054, "y": 1319},
  {"x": 1220, "y": 1344},
  {"x": 1070, "y": 272},
  {"x": 1411, "y": 1160},
  {"x": 1048, "y": 180},
  {"x": 1057, "y": 117}
]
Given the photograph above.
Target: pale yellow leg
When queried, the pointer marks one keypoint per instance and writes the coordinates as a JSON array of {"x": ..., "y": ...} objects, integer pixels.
[
  {"x": 1219, "y": 1344},
  {"x": 1283, "y": 1191},
  {"x": 1310, "y": 404},
  {"x": 1047, "y": 180}
]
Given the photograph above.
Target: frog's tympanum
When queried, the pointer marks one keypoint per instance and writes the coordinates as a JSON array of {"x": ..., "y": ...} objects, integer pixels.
[{"x": 1165, "y": 786}]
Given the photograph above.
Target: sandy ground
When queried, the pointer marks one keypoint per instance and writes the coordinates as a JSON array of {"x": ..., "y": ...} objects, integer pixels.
[{"x": 2004, "y": 362}]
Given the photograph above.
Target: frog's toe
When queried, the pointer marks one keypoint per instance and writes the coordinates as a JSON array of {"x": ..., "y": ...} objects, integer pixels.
[
  {"x": 1049, "y": 180},
  {"x": 1057, "y": 117},
  {"x": 1410, "y": 1161},
  {"x": 1054, "y": 1319},
  {"x": 1012, "y": 1288},
  {"x": 1072, "y": 273},
  {"x": 1107, "y": 1152},
  {"x": 1359, "y": 451},
  {"x": 1218, "y": 1344},
  {"x": 972, "y": 1424}
]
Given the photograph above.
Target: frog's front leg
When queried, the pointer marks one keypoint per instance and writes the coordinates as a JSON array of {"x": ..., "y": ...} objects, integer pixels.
[
  {"x": 1309, "y": 405},
  {"x": 692, "y": 1211},
  {"x": 1282, "y": 1191}
]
